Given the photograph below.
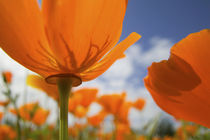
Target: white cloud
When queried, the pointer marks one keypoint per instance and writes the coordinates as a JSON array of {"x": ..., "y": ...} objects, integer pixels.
[{"x": 160, "y": 50}]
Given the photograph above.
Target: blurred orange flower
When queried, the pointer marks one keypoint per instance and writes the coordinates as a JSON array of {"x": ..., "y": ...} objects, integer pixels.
[
  {"x": 122, "y": 115},
  {"x": 80, "y": 111},
  {"x": 168, "y": 138},
  {"x": 40, "y": 83},
  {"x": 1, "y": 115},
  {"x": 72, "y": 131},
  {"x": 32, "y": 112},
  {"x": 122, "y": 130},
  {"x": 76, "y": 129},
  {"x": 180, "y": 85},
  {"x": 116, "y": 105},
  {"x": 7, "y": 75},
  {"x": 87, "y": 95},
  {"x": 187, "y": 130},
  {"x": 6, "y": 132},
  {"x": 65, "y": 38},
  {"x": 80, "y": 101},
  {"x": 4, "y": 103},
  {"x": 142, "y": 138},
  {"x": 96, "y": 120},
  {"x": 139, "y": 103},
  {"x": 191, "y": 129},
  {"x": 156, "y": 138},
  {"x": 112, "y": 102},
  {"x": 74, "y": 101}
]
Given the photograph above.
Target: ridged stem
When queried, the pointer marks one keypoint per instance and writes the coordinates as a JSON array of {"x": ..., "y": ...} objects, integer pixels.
[{"x": 64, "y": 87}]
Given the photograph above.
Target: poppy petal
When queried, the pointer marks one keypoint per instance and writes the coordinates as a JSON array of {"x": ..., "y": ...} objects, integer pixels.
[
  {"x": 115, "y": 54},
  {"x": 180, "y": 84},
  {"x": 22, "y": 34},
  {"x": 39, "y": 83},
  {"x": 83, "y": 29}
]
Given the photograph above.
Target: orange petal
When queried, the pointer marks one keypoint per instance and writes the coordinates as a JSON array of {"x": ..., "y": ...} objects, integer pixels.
[
  {"x": 13, "y": 111},
  {"x": 39, "y": 83},
  {"x": 4, "y": 103},
  {"x": 80, "y": 111},
  {"x": 7, "y": 76},
  {"x": 122, "y": 130},
  {"x": 74, "y": 101},
  {"x": 97, "y": 119},
  {"x": 139, "y": 103},
  {"x": 7, "y": 132},
  {"x": 1, "y": 115},
  {"x": 122, "y": 115},
  {"x": 111, "y": 103},
  {"x": 180, "y": 85},
  {"x": 116, "y": 53},
  {"x": 81, "y": 27},
  {"x": 27, "y": 110},
  {"x": 88, "y": 95},
  {"x": 22, "y": 35},
  {"x": 40, "y": 116}
]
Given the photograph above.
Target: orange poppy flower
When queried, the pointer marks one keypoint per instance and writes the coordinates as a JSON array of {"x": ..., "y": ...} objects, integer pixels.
[
  {"x": 142, "y": 138},
  {"x": 65, "y": 38},
  {"x": 4, "y": 103},
  {"x": 156, "y": 138},
  {"x": 139, "y": 104},
  {"x": 168, "y": 138},
  {"x": 180, "y": 85},
  {"x": 117, "y": 106},
  {"x": 40, "y": 116},
  {"x": 40, "y": 83},
  {"x": 184, "y": 131},
  {"x": 6, "y": 132},
  {"x": 122, "y": 115},
  {"x": 88, "y": 95},
  {"x": 1, "y": 115},
  {"x": 112, "y": 102},
  {"x": 96, "y": 120},
  {"x": 7, "y": 75},
  {"x": 74, "y": 102},
  {"x": 122, "y": 130},
  {"x": 32, "y": 112},
  {"x": 80, "y": 111},
  {"x": 191, "y": 129},
  {"x": 80, "y": 101}
]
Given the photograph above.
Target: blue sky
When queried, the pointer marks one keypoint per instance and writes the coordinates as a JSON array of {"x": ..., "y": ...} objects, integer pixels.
[
  {"x": 166, "y": 18},
  {"x": 161, "y": 24}
]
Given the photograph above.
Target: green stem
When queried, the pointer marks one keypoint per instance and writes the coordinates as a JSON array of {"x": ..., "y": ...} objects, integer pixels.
[
  {"x": 18, "y": 127},
  {"x": 64, "y": 87},
  {"x": 13, "y": 101}
]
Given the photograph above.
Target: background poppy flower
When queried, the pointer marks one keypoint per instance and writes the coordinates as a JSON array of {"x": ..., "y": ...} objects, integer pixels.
[
  {"x": 38, "y": 82},
  {"x": 139, "y": 103},
  {"x": 112, "y": 102},
  {"x": 122, "y": 115},
  {"x": 1, "y": 115},
  {"x": 80, "y": 101},
  {"x": 180, "y": 85},
  {"x": 32, "y": 112},
  {"x": 4, "y": 103},
  {"x": 96, "y": 120},
  {"x": 6, "y": 132},
  {"x": 7, "y": 75}
]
